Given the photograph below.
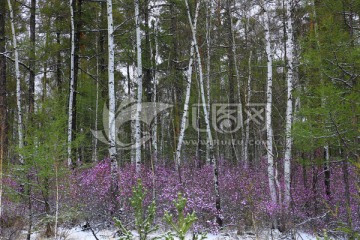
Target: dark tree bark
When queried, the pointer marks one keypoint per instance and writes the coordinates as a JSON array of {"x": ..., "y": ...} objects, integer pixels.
[
  {"x": 3, "y": 104},
  {"x": 58, "y": 64},
  {"x": 78, "y": 24}
]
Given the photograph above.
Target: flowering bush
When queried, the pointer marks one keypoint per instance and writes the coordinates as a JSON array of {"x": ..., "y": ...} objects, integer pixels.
[{"x": 244, "y": 195}]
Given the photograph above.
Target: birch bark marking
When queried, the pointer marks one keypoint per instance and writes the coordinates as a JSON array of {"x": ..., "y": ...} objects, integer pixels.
[
  {"x": 289, "y": 105},
  {"x": 207, "y": 123},
  {"x": 139, "y": 90},
  {"x": 18, "y": 83},
  {"x": 72, "y": 74}
]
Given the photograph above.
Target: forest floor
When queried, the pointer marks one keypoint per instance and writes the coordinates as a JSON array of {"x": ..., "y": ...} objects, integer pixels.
[{"x": 79, "y": 234}]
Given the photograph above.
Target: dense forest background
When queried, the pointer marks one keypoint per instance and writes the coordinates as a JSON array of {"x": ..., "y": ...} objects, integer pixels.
[{"x": 250, "y": 109}]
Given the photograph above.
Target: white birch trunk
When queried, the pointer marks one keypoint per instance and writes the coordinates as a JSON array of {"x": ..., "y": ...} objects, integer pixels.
[
  {"x": 289, "y": 105},
  {"x": 248, "y": 99},
  {"x": 18, "y": 83},
  {"x": 206, "y": 115},
  {"x": 154, "y": 128},
  {"x": 139, "y": 90},
  {"x": 187, "y": 95},
  {"x": 111, "y": 85},
  {"x": 71, "y": 92},
  {"x": 268, "y": 111},
  {"x": 209, "y": 13}
]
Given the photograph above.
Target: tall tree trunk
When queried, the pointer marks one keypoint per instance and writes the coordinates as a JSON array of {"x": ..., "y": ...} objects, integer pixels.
[
  {"x": 18, "y": 84},
  {"x": 139, "y": 90},
  {"x": 3, "y": 102},
  {"x": 112, "y": 106},
  {"x": 111, "y": 84},
  {"x": 209, "y": 13},
  {"x": 155, "y": 57},
  {"x": 248, "y": 100},
  {"x": 187, "y": 94},
  {"x": 268, "y": 112},
  {"x": 289, "y": 105},
  {"x": 32, "y": 57},
  {"x": 207, "y": 121},
  {"x": 72, "y": 82},
  {"x": 78, "y": 24}
]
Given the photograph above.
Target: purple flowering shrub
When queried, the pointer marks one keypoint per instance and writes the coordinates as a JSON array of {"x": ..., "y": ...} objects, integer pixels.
[{"x": 245, "y": 199}]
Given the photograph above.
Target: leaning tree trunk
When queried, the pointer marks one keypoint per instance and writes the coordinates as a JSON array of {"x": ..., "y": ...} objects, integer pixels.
[
  {"x": 187, "y": 96},
  {"x": 139, "y": 90},
  {"x": 207, "y": 122},
  {"x": 18, "y": 83},
  {"x": 289, "y": 105}
]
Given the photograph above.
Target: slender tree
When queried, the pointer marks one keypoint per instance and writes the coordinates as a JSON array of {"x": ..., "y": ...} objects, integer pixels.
[
  {"x": 112, "y": 102},
  {"x": 139, "y": 89},
  {"x": 268, "y": 111},
  {"x": 210, "y": 143},
  {"x": 187, "y": 94},
  {"x": 18, "y": 83},
  {"x": 289, "y": 104},
  {"x": 32, "y": 57},
  {"x": 72, "y": 82}
]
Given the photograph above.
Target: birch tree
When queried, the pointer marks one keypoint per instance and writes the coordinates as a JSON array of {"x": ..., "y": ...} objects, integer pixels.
[
  {"x": 212, "y": 159},
  {"x": 139, "y": 90},
  {"x": 111, "y": 85},
  {"x": 112, "y": 99},
  {"x": 209, "y": 13},
  {"x": 18, "y": 83},
  {"x": 248, "y": 100},
  {"x": 32, "y": 57},
  {"x": 268, "y": 111},
  {"x": 72, "y": 82},
  {"x": 155, "y": 57},
  {"x": 289, "y": 104},
  {"x": 187, "y": 94}
]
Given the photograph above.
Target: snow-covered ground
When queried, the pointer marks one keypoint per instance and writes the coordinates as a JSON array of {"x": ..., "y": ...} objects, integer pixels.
[{"x": 79, "y": 234}]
